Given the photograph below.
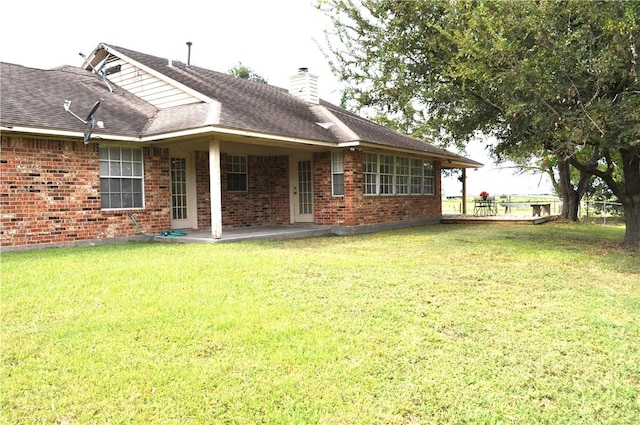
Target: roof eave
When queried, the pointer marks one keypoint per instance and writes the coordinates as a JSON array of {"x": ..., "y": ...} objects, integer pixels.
[
  {"x": 48, "y": 132},
  {"x": 448, "y": 161},
  {"x": 215, "y": 131}
]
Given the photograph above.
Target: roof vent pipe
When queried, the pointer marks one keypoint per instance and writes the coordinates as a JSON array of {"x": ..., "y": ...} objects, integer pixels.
[{"x": 189, "y": 52}]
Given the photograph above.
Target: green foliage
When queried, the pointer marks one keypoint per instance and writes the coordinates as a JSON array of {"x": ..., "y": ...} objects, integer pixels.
[
  {"x": 242, "y": 71},
  {"x": 557, "y": 77},
  {"x": 439, "y": 324}
]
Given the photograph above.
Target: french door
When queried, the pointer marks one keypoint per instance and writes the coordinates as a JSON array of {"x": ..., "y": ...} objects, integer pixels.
[
  {"x": 183, "y": 208},
  {"x": 302, "y": 189}
]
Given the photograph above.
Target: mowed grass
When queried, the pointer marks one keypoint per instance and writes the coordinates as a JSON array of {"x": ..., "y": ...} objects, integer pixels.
[{"x": 438, "y": 324}]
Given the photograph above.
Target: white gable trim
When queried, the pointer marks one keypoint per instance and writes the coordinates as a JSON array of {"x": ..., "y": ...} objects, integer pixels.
[{"x": 158, "y": 75}]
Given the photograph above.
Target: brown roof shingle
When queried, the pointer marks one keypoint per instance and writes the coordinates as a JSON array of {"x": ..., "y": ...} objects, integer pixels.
[
  {"x": 35, "y": 98},
  {"x": 250, "y": 105}
]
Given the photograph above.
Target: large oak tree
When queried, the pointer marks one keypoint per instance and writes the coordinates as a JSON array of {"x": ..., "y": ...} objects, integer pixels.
[{"x": 544, "y": 77}]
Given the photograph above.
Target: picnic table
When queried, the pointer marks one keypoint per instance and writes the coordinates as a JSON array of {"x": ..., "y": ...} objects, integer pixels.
[
  {"x": 538, "y": 208},
  {"x": 541, "y": 208}
]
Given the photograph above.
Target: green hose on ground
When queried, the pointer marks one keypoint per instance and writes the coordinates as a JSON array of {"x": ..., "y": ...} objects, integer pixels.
[{"x": 165, "y": 233}]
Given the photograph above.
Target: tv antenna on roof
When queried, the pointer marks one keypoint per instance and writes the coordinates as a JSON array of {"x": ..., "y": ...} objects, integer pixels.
[
  {"x": 90, "y": 120},
  {"x": 99, "y": 69}
]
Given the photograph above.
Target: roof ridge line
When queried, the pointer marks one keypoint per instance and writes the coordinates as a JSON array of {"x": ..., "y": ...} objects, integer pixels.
[{"x": 323, "y": 113}]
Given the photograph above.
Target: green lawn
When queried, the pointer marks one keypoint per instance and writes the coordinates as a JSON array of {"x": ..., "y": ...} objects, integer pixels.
[{"x": 438, "y": 324}]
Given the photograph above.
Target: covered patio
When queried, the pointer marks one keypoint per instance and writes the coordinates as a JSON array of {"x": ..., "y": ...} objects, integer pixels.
[
  {"x": 298, "y": 231},
  {"x": 249, "y": 233},
  {"x": 497, "y": 219}
]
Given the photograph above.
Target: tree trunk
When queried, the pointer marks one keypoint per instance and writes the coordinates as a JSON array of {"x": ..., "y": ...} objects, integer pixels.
[
  {"x": 632, "y": 224},
  {"x": 630, "y": 197},
  {"x": 570, "y": 197},
  {"x": 564, "y": 182},
  {"x": 628, "y": 193},
  {"x": 574, "y": 206}
]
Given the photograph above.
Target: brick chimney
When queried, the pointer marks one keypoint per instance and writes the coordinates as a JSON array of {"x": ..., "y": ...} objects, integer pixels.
[{"x": 305, "y": 86}]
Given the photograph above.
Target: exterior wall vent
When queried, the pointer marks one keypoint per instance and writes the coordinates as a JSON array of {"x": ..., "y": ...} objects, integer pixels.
[{"x": 113, "y": 70}]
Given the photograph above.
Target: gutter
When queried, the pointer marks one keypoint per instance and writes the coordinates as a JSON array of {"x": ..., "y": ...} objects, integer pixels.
[
  {"x": 65, "y": 133},
  {"x": 453, "y": 160},
  {"x": 203, "y": 131}
]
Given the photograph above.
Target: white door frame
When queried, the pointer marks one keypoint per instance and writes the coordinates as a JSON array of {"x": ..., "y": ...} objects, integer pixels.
[
  {"x": 191, "y": 222},
  {"x": 296, "y": 203}
]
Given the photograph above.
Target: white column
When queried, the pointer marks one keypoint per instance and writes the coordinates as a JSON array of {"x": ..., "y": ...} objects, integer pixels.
[
  {"x": 464, "y": 191},
  {"x": 215, "y": 189}
]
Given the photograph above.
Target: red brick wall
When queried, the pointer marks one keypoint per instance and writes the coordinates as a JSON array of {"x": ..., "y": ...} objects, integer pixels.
[
  {"x": 50, "y": 193},
  {"x": 202, "y": 189},
  {"x": 355, "y": 208},
  {"x": 266, "y": 201}
]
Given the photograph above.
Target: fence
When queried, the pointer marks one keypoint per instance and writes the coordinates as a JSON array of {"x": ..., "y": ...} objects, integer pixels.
[
  {"x": 506, "y": 204},
  {"x": 521, "y": 205},
  {"x": 602, "y": 209}
]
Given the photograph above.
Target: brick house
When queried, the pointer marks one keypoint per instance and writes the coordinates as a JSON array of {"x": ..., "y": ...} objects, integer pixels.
[{"x": 184, "y": 147}]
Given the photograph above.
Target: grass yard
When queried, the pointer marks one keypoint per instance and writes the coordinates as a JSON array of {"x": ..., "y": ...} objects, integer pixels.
[{"x": 444, "y": 324}]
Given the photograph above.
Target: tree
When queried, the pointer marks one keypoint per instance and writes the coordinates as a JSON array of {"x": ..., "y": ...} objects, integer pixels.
[
  {"x": 568, "y": 182},
  {"x": 242, "y": 71},
  {"x": 548, "y": 77}
]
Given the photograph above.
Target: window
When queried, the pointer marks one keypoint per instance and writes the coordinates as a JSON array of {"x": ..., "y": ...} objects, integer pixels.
[
  {"x": 429, "y": 181},
  {"x": 236, "y": 173},
  {"x": 370, "y": 171},
  {"x": 386, "y": 175},
  {"x": 337, "y": 173},
  {"x": 121, "y": 178},
  {"x": 416, "y": 176},
  {"x": 397, "y": 175},
  {"x": 402, "y": 176}
]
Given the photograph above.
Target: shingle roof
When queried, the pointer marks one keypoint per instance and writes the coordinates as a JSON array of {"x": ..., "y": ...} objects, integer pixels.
[
  {"x": 35, "y": 98},
  {"x": 261, "y": 107},
  {"x": 245, "y": 104}
]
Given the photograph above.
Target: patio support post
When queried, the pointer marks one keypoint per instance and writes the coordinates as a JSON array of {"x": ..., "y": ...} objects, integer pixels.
[
  {"x": 215, "y": 189},
  {"x": 464, "y": 191}
]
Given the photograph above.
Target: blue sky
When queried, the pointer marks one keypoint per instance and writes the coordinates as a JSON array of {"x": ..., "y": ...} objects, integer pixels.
[{"x": 274, "y": 38}]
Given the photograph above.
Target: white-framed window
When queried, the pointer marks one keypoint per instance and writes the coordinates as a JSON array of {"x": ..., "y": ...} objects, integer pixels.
[
  {"x": 386, "y": 174},
  {"x": 337, "y": 173},
  {"x": 416, "y": 176},
  {"x": 121, "y": 178},
  {"x": 397, "y": 175},
  {"x": 402, "y": 175},
  {"x": 237, "y": 173},
  {"x": 429, "y": 180},
  {"x": 370, "y": 173}
]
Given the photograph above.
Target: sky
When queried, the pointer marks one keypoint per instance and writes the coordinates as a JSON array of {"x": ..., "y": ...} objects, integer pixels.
[{"x": 272, "y": 37}]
